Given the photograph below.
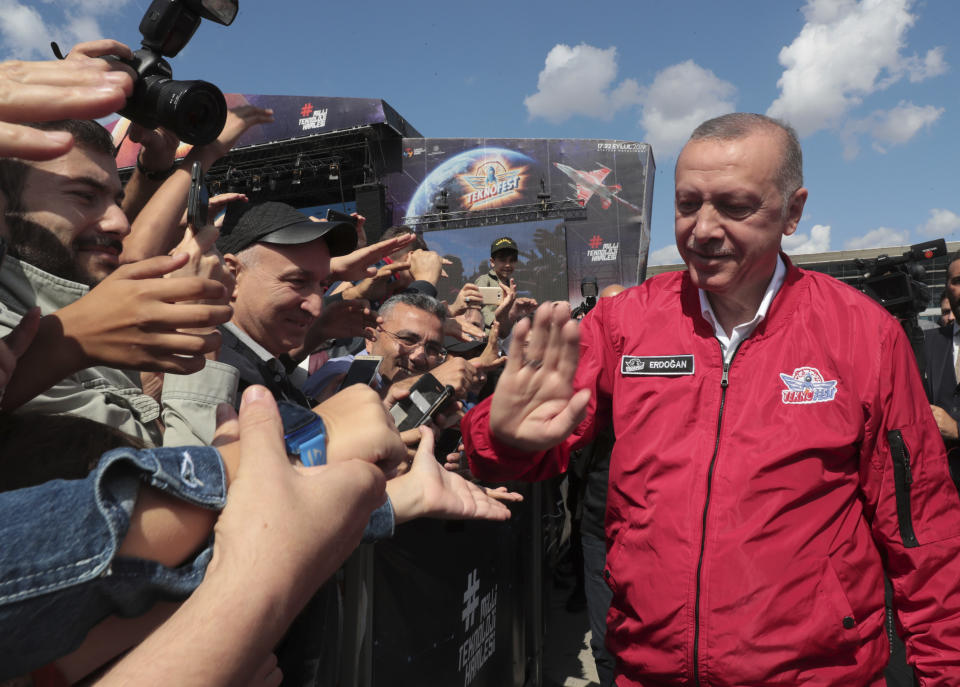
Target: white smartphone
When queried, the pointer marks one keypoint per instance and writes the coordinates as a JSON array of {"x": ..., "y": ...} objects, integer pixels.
[{"x": 491, "y": 295}]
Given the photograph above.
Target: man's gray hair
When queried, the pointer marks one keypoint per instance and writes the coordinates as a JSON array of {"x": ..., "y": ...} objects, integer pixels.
[
  {"x": 738, "y": 125},
  {"x": 421, "y": 301}
]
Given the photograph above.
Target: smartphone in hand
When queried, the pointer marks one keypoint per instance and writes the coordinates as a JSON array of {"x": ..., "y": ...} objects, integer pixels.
[
  {"x": 197, "y": 199},
  {"x": 363, "y": 370},
  {"x": 491, "y": 295},
  {"x": 426, "y": 399},
  {"x": 337, "y": 216}
]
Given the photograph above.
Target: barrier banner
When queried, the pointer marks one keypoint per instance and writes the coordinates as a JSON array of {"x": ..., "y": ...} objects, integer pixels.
[{"x": 449, "y": 606}]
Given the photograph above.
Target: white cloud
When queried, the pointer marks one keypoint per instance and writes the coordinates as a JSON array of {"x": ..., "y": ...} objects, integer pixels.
[
  {"x": 23, "y": 30},
  {"x": 846, "y": 51},
  {"x": 680, "y": 98},
  {"x": 27, "y": 33},
  {"x": 817, "y": 241},
  {"x": 895, "y": 126},
  {"x": 881, "y": 237},
  {"x": 931, "y": 65},
  {"x": 668, "y": 255},
  {"x": 82, "y": 28},
  {"x": 901, "y": 123},
  {"x": 580, "y": 81},
  {"x": 941, "y": 223}
]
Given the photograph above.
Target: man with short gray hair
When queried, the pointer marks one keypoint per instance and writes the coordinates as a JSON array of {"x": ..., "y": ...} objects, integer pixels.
[{"x": 775, "y": 454}]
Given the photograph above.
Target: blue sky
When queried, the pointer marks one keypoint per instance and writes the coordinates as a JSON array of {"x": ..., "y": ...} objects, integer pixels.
[{"x": 871, "y": 85}]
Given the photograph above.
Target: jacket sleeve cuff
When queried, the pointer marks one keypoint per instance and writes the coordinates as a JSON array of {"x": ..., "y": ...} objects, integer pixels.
[
  {"x": 381, "y": 523},
  {"x": 489, "y": 458},
  {"x": 424, "y": 287},
  {"x": 75, "y": 527}
]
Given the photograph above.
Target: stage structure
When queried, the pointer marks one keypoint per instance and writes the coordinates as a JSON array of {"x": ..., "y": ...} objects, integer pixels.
[{"x": 578, "y": 208}]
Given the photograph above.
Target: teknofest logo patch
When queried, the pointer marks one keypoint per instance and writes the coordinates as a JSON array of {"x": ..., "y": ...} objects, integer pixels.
[{"x": 806, "y": 385}]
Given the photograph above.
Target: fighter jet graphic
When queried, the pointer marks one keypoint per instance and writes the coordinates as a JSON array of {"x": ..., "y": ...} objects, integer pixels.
[{"x": 586, "y": 184}]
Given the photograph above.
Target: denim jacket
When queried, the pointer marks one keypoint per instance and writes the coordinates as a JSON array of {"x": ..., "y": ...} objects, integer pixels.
[{"x": 59, "y": 572}]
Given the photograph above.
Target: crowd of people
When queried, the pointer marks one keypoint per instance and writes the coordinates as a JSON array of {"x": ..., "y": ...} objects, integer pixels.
[
  {"x": 177, "y": 436},
  {"x": 185, "y": 469}
]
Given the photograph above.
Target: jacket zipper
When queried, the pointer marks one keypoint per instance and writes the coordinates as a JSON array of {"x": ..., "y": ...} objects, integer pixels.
[
  {"x": 902, "y": 479},
  {"x": 724, "y": 382}
]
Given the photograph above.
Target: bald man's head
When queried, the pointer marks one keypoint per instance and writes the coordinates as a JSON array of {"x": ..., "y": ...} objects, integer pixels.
[{"x": 612, "y": 290}]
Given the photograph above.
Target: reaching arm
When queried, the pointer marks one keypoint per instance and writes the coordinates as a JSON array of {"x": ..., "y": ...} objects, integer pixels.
[
  {"x": 79, "y": 88},
  {"x": 427, "y": 490},
  {"x": 131, "y": 320},
  {"x": 359, "y": 264},
  {"x": 155, "y": 163},
  {"x": 157, "y": 227},
  {"x": 282, "y": 533},
  {"x": 549, "y": 399}
]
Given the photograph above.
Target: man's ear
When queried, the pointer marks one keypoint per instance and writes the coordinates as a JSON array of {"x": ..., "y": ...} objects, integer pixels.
[
  {"x": 794, "y": 211},
  {"x": 234, "y": 267},
  {"x": 491, "y": 263}
]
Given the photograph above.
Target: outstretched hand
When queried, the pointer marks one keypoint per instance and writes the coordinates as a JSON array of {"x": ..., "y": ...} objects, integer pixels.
[
  {"x": 239, "y": 120},
  {"x": 204, "y": 260},
  {"x": 359, "y": 264},
  {"x": 80, "y": 88},
  {"x": 534, "y": 406},
  {"x": 295, "y": 524},
  {"x": 360, "y": 428},
  {"x": 428, "y": 490},
  {"x": 134, "y": 320}
]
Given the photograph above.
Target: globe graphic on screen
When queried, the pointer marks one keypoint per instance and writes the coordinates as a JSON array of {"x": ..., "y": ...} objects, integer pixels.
[{"x": 445, "y": 177}]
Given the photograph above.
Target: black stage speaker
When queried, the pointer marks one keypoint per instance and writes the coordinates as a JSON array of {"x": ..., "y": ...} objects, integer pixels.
[{"x": 371, "y": 204}]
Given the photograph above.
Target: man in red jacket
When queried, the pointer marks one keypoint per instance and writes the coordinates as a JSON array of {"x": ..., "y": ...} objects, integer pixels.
[{"x": 775, "y": 451}]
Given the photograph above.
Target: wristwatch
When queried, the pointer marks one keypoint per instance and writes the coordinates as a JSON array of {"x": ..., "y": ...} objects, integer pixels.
[
  {"x": 156, "y": 175},
  {"x": 304, "y": 434}
]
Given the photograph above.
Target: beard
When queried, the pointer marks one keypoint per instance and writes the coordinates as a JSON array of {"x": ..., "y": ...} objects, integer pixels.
[{"x": 38, "y": 246}]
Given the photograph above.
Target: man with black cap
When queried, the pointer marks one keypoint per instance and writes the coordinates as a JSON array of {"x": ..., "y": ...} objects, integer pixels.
[{"x": 280, "y": 260}]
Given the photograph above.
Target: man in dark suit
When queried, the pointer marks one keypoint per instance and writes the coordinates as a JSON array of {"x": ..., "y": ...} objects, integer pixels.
[{"x": 941, "y": 377}]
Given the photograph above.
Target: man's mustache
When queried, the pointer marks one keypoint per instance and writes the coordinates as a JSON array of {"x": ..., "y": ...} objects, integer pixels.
[
  {"x": 99, "y": 242},
  {"x": 710, "y": 252}
]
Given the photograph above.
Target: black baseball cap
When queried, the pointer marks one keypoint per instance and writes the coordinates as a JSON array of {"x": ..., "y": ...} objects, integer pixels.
[
  {"x": 504, "y": 243},
  {"x": 282, "y": 224},
  {"x": 458, "y": 347}
]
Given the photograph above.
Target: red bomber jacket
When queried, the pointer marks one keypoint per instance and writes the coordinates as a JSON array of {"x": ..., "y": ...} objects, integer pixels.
[{"x": 753, "y": 508}]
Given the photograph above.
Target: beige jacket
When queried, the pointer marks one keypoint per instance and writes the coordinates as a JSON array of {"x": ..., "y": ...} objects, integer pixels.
[{"x": 111, "y": 396}]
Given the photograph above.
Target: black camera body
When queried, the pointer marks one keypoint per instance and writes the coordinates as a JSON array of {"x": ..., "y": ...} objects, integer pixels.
[
  {"x": 897, "y": 282},
  {"x": 194, "y": 110}
]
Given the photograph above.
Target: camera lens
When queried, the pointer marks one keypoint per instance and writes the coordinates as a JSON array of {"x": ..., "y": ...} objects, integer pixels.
[{"x": 195, "y": 110}]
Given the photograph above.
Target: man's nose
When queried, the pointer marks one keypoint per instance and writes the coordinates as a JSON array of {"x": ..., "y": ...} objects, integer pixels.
[
  {"x": 708, "y": 224},
  {"x": 418, "y": 358},
  {"x": 312, "y": 304},
  {"x": 114, "y": 221}
]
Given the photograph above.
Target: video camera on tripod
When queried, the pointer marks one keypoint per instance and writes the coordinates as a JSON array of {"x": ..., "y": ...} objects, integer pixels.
[{"x": 896, "y": 283}]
